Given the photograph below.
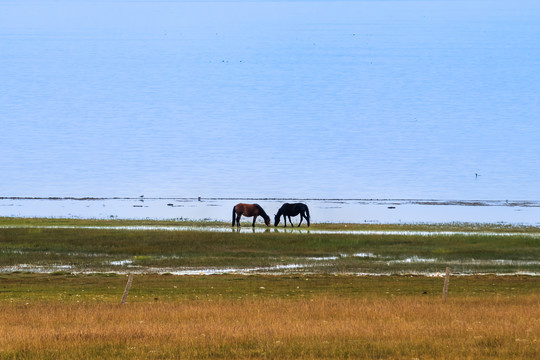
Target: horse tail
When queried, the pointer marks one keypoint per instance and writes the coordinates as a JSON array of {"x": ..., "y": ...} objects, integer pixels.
[
  {"x": 307, "y": 213},
  {"x": 233, "y": 215}
]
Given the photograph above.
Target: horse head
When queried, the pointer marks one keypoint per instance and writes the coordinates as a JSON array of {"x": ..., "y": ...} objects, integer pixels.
[{"x": 277, "y": 217}]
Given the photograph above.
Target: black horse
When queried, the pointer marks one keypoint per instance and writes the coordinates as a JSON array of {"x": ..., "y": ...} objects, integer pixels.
[{"x": 292, "y": 210}]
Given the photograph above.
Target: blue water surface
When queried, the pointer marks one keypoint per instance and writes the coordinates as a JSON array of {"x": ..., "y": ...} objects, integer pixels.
[{"x": 319, "y": 99}]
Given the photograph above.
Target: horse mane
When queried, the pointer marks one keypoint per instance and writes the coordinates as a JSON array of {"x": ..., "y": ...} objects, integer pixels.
[
  {"x": 262, "y": 212},
  {"x": 281, "y": 210}
]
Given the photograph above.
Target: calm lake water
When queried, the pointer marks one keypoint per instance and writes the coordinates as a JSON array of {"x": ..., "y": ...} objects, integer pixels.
[{"x": 305, "y": 99}]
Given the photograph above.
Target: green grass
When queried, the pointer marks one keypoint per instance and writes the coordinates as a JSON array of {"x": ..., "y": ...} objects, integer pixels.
[{"x": 22, "y": 287}]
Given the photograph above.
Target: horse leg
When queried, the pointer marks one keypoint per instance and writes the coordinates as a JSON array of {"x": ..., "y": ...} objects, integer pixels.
[
  {"x": 238, "y": 220},
  {"x": 301, "y": 218},
  {"x": 254, "y": 218},
  {"x": 291, "y": 221}
]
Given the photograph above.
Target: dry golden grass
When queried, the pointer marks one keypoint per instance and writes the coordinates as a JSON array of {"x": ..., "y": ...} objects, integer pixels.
[{"x": 321, "y": 327}]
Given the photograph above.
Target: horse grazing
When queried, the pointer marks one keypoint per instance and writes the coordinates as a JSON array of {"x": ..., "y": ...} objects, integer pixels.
[
  {"x": 248, "y": 210},
  {"x": 292, "y": 210}
]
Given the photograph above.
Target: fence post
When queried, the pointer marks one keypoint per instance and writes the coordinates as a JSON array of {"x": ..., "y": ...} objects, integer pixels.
[
  {"x": 446, "y": 282},
  {"x": 128, "y": 286}
]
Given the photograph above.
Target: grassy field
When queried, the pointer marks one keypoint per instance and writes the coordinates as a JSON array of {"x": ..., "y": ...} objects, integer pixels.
[
  {"x": 60, "y": 291},
  {"x": 324, "y": 328},
  {"x": 65, "y": 316}
]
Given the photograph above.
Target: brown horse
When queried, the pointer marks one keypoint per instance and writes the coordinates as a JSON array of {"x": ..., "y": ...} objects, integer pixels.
[{"x": 248, "y": 210}]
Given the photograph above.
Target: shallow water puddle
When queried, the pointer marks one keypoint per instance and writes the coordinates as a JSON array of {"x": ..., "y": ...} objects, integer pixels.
[
  {"x": 126, "y": 266},
  {"x": 273, "y": 270}
]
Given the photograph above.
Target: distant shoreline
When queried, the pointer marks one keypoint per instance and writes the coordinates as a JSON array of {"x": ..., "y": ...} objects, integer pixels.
[
  {"x": 361, "y": 211},
  {"x": 523, "y": 203}
]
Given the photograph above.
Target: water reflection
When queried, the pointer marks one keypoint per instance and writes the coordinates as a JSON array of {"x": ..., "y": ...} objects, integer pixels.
[
  {"x": 260, "y": 230},
  {"x": 292, "y": 230},
  {"x": 240, "y": 229}
]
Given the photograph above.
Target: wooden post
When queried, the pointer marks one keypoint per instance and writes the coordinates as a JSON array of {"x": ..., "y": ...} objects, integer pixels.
[
  {"x": 126, "y": 291},
  {"x": 446, "y": 282}
]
